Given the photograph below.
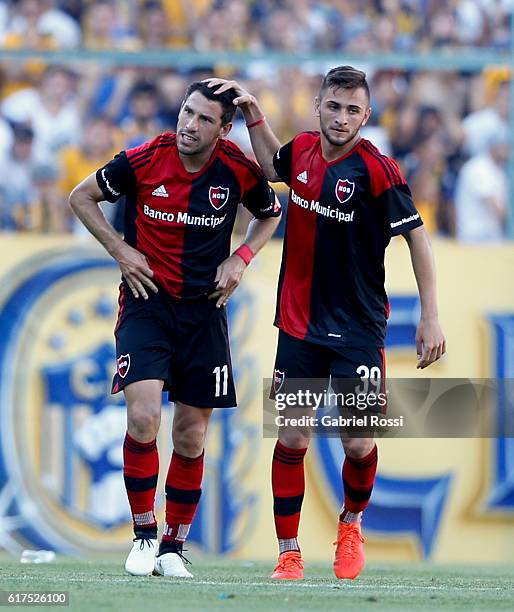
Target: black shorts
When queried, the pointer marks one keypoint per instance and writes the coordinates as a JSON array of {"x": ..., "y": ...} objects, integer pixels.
[
  {"x": 301, "y": 359},
  {"x": 313, "y": 366},
  {"x": 182, "y": 342}
]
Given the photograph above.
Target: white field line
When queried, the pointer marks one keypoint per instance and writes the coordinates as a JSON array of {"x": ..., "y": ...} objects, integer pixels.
[
  {"x": 346, "y": 585},
  {"x": 341, "y": 585}
]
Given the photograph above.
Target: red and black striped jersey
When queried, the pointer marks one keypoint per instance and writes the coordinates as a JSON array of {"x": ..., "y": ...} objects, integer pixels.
[
  {"x": 181, "y": 221},
  {"x": 340, "y": 219}
]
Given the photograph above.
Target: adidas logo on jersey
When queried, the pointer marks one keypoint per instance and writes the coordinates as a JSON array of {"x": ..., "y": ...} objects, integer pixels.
[
  {"x": 160, "y": 191},
  {"x": 302, "y": 177}
]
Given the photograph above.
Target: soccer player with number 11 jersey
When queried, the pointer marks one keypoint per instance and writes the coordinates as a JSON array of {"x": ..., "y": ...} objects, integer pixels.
[
  {"x": 182, "y": 193},
  {"x": 346, "y": 202}
]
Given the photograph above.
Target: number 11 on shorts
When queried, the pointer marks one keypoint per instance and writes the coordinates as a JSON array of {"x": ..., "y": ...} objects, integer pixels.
[{"x": 218, "y": 371}]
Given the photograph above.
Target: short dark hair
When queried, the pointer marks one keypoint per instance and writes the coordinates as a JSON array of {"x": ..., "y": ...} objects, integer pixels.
[
  {"x": 22, "y": 131},
  {"x": 144, "y": 88},
  {"x": 226, "y": 99},
  {"x": 344, "y": 77}
]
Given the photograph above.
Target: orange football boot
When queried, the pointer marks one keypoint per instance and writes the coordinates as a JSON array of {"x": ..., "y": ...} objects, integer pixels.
[
  {"x": 349, "y": 559},
  {"x": 289, "y": 566}
]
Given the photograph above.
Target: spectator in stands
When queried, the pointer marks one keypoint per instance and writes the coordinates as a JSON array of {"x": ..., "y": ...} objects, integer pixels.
[
  {"x": 103, "y": 28},
  {"x": 142, "y": 122},
  {"x": 418, "y": 114},
  {"x": 316, "y": 23},
  {"x": 154, "y": 29},
  {"x": 185, "y": 18},
  {"x": 6, "y": 138},
  {"x": 17, "y": 192},
  {"x": 425, "y": 166},
  {"x": 99, "y": 144},
  {"x": 40, "y": 24},
  {"x": 64, "y": 30},
  {"x": 25, "y": 27},
  {"x": 4, "y": 14},
  {"x": 51, "y": 110},
  {"x": 225, "y": 27},
  {"x": 50, "y": 211},
  {"x": 492, "y": 121},
  {"x": 442, "y": 27},
  {"x": 30, "y": 200},
  {"x": 170, "y": 86},
  {"x": 308, "y": 25},
  {"x": 482, "y": 194}
]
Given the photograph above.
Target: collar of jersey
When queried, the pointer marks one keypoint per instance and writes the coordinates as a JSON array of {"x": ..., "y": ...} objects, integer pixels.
[
  {"x": 182, "y": 170},
  {"x": 344, "y": 156}
]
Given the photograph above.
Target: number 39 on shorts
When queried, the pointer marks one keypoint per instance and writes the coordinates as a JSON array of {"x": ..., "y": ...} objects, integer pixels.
[
  {"x": 373, "y": 373},
  {"x": 368, "y": 375}
]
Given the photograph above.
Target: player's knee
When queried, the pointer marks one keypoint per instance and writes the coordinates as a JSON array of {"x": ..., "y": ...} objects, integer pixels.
[
  {"x": 358, "y": 447},
  {"x": 143, "y": 420},
  {"x": 189, "y": 439},
  {"x": 294, "y": 439}
]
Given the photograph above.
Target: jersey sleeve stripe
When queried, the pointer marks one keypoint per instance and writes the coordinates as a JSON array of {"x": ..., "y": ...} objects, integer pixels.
[
  {"x": 378, "y": 157},
  {"x": 391, "y": 167},
  {"x": 148, "y": 152},
  {"x": 152, "y": 145},
  {"x": 254, "y": 169},
  {"x": 164, "y": 141},
  {"x": 227, "y": 144},
  {"x": 397, "y": 171},
  {"x": 139, "y": 163},
  {"x": 394, "y": 170},
  {"x": 245, "y": 162},
  {"x": 233, "y": 151},
  {"x": 162, "y": 138}
]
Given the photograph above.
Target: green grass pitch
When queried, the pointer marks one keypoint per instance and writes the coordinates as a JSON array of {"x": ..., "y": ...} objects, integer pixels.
[{"x": 224, "y": 584}]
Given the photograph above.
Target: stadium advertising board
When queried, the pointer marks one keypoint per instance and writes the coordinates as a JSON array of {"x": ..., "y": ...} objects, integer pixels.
[{"x": 61, "y": 431}]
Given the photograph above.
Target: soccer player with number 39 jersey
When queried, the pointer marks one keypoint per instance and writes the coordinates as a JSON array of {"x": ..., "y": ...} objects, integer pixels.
[
  {"x": 181, "y": 193},
  {"x": 346, "y": 202}
]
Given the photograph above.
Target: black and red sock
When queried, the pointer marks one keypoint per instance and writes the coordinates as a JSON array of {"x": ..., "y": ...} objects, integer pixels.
[
  {"x": 358, "y": 481},
  {"x": 183, "y": 491},
  {"x": 141, "y": 471},
  {"x": 288, "y": 484}
]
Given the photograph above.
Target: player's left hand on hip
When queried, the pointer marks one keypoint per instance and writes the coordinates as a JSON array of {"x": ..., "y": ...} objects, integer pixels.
[
  {"x": 430, "y": 342},
  {"x": 228, "y": 277}
]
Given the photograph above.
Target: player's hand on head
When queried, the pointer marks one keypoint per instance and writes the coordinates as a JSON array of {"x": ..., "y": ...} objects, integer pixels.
[
  {"x": 222, "y": 85},
  {"x": 430, "y": 342},
  {"x": 136, "y": 272},
  {"x": 228, "y": 277}
]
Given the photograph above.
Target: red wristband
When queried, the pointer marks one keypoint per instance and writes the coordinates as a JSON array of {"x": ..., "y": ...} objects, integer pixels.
[
  {"x": 255, "y": 123},
  {"x": 245, "y": 252}
]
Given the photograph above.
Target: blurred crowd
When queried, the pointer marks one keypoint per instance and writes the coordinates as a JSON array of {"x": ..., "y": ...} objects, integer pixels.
[
  {"x": 256, "y": 25},
  {"x": 448, "y": 130}
]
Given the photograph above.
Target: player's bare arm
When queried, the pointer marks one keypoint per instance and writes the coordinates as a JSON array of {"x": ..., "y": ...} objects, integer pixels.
[
  {"x": 84, "y": 201},
  {"x": 230, "y": 272},
  {"x": 264, "y": 142},
  {"x": 430, "y": 340}
]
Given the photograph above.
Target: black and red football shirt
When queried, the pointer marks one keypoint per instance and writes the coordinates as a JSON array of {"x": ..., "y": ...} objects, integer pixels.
[
  {"x": 341, "y": 217},
  {"x": 181, "y": 221}
]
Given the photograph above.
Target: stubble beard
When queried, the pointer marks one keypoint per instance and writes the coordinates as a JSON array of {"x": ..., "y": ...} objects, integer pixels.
[
  {"x": 198, "y": 149},
  {"x": 340, "y": 142}
]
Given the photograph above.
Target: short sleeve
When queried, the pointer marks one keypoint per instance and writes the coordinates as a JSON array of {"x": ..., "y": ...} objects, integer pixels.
[
  {"x": 283, "y": 162},
  {"x": 400, "y": 213},
  {"x": 116, "y": 178},
  {"x": 260, "y": 200}
]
